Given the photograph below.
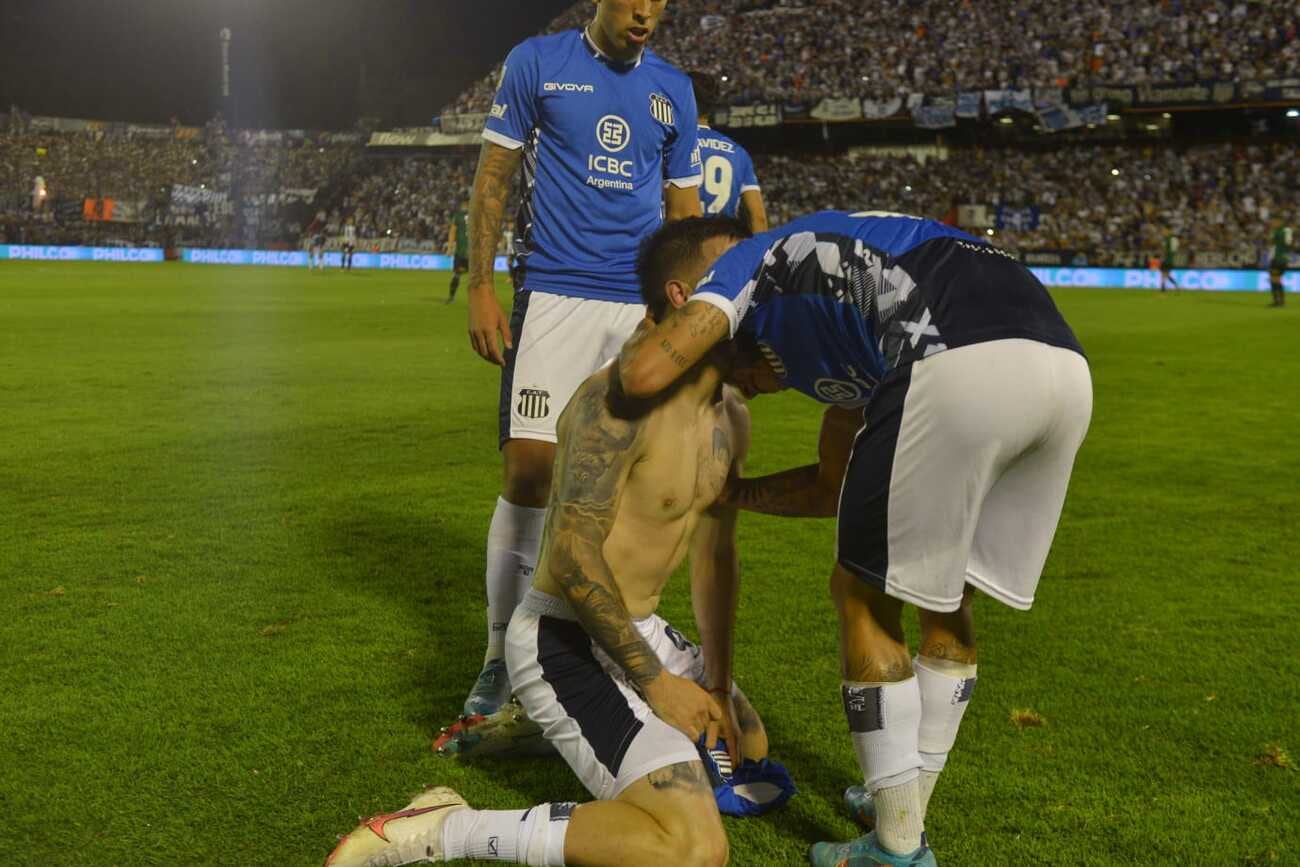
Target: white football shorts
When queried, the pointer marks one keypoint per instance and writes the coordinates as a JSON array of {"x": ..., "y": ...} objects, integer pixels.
[
  {"x": 581, "y": 699},
  {"x": 559, "y": 342},
  {"x": 960, "y": 474}
]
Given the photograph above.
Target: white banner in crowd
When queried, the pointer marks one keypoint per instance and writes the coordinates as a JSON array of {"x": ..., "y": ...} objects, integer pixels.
[
  {"x": 838, "y": 109},
  {"x": 749, "y": 115},
  {"x": 879, "y": 108}
]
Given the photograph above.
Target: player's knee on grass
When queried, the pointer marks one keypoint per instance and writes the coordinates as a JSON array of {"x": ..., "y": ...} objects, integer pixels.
[
  {"x": 873, "y": 648},
  {"x": 528, "y": 466},
  {"x": 681, "y": 801},
  {"x": 950, "y": 636}
]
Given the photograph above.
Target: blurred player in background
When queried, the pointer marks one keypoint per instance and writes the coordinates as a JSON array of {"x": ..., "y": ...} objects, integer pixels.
[
  {"x": 508, "y": 244},
  {"x": 349, "y": 243},
  {"x": 317, "y": 233},
  {"x": 1280, "y": 260},
  {"x": 730, "y": 183},
  {"x": 458, "y": 246},
  {"x": 1167, "y": 260},
  {"x": 605, "y": 132}
]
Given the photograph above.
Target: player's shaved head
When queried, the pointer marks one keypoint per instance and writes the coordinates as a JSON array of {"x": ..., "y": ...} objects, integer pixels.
[{"x": 678, "y": 255}]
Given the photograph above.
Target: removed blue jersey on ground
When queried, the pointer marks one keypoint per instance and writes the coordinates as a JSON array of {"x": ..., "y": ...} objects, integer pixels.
[
  {"x": 728, "y": 173},
  {"x": 600, "y": 139},
  {"x": 836, "y": 300}
]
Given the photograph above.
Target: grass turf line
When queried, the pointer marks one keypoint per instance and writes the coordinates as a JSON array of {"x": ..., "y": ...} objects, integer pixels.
[{"x": 241, "y": 563}]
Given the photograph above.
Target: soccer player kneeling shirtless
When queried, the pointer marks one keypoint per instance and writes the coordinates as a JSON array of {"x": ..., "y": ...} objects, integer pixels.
[{"x": 621, "y": 695}]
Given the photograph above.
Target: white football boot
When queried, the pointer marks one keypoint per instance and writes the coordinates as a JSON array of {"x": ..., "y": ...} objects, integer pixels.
[{"x": 408, "y": 836}]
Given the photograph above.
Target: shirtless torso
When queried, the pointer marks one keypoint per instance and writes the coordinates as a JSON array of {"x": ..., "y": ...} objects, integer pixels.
[{"x": 648, "y": 482}]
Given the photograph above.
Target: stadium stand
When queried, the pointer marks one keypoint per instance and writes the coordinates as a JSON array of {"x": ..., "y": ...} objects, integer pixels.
[
  {"x": 1055, "y": 200},
  {"x": 807, "y": 50},
  {"x": 1099, "y": 204}
]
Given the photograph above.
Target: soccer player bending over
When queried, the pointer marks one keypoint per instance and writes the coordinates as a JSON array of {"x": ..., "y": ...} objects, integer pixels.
[
  {"x": 618, "y": 692},
  {"x": 965, "y": 395}
]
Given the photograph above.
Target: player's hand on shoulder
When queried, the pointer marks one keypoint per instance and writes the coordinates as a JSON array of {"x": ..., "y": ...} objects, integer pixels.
[
  {"x": 682, "y": 703},
  {"x": 487, "y": 324}
]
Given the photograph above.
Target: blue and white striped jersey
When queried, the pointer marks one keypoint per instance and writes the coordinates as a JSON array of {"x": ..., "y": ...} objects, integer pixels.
[{"x": 838, "y": 300}]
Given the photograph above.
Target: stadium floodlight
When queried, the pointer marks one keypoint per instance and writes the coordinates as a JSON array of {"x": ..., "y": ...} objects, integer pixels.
[
  {"x": 726, "y": 78},
  {"x": 907, "y": 189},
  {"x": 1112, "y": 117},
  {"x": 1293, "y": 113},
  {"x": 1115, "y": 172},
  {"x": 1006, "y": 120},
  {"x": 1166, "y": 115},
  {"x": 990, "y": 231}
]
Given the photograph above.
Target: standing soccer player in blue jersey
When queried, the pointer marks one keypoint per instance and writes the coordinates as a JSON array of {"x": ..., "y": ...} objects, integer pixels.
[
  {"x": 730, "y": 183},
  {"x": 605, "y": 132},
  {"x": 975, "y": 396}
]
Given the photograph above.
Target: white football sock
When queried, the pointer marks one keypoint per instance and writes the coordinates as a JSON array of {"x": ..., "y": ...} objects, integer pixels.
[
  {"x": 946, "y": 688},
  {"x": 884, "y": 721},
  {"x": 513, "y": 541},
  {"x": 534, "y": 836},
  {"x": 899, "y": 822}
]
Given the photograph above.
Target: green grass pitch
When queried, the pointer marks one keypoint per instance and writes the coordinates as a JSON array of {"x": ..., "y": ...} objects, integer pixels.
[{"x": 242, "y": 516}]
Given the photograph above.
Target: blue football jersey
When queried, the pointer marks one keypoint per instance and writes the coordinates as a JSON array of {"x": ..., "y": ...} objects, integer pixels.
[
  {"x": 728, "y": 172},
  {"x": 838, "y": 300},
  {"x": 600, "y": 140}
]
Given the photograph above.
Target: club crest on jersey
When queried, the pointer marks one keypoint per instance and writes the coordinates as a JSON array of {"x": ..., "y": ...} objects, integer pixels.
[
  {"x": 661, "y": 109},
  {"x": 613, "y": 133},
  {"x": 534, "y": 403}
]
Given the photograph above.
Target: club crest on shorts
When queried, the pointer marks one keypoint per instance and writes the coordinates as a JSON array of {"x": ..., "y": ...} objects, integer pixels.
[
  {"x": 661, "y": 109},
  {"x": 534, "y": 403}
]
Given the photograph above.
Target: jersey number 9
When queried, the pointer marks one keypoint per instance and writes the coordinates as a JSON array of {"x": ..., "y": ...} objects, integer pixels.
[{"x": 718, "y": 174}]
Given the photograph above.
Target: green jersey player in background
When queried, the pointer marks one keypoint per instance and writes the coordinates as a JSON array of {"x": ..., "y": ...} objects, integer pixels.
[
  {"x": 1277, "y": 265},
  {"x": 1167, "y": 260},
  {"x": 458, "y": 246}
]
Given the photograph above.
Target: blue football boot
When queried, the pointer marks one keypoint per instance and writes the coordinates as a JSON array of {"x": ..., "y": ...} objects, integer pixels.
[
  {"x": 862, "y": 809},
  {"x": 866, "y": 852},
  {"x": 491, "y": 690}
]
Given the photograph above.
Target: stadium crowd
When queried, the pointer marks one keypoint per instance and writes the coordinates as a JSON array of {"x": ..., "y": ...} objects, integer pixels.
[
  {"x": 46, "y": 176},
  {"x": 1110, "y": 204},
  {"x": 1113, "y": 204},
  {"x": 408, "y": 199},
  {"x": 807, "y": 50}
]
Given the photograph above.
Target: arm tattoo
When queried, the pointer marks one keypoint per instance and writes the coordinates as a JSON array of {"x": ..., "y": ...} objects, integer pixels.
[
  {"x": 796, "y": 493},
  {"x": 678, "y": 359},
  {"x": 687, "y": 776},
  {"x": 597, "y": 449},
  {"x": 496, "y": 168},
  {"x": 703, "y": 319}
]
